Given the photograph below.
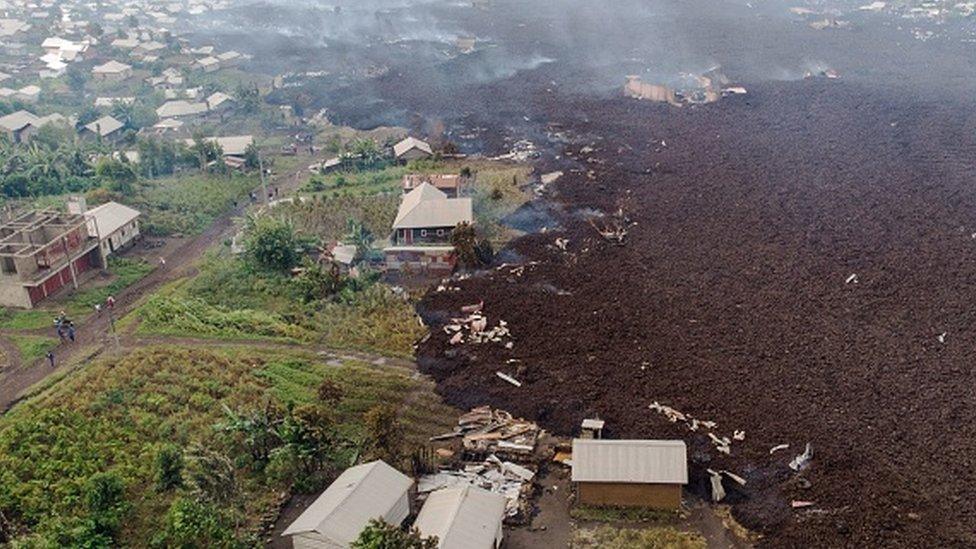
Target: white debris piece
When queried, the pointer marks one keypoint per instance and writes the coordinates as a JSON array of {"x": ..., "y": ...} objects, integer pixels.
[
  {"x": 801, "y": 461},
  {"x": 778, "y": 447},
  {"x": 561, "y": 243},
  {"x": 509, "y": 379},
  {"x": 738, "y": 435},
  {"x": 852, "y": 278},
  {"x": 718, "y": 491},
  {"x": 941, "y": 337}
]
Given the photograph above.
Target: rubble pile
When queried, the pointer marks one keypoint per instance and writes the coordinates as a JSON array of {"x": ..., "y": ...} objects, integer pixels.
[
  {"x": 474, "y": 328},
  {"x": 498, "y": 454}
]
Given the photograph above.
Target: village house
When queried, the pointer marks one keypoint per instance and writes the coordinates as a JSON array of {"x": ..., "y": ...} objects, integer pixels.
[
  {"x": 19, "y": 126},
  {"x": 115, "y": 225},
  {"x": 10, "y": 27},
  {"x": 230, "y": 59},
  {"x": 422, "y": 230},
  {"x": 125, "y": 43},
  {"x": 234, "y": 148},
  {"x": 41, "y": 251},
  {"x": 630, "y": 473},
  {"x": 22, "y": 125},
  {"x": 180, "y": 108},
  {"x": 412, "y": 148},
  {"x": 220, "y": 101},
  {"x": 361, "y": 493},
  {"x": 463, "y": 517},
  {"x": 28, "y": 94},
  {"x": 449, "y": 184},
  {"x": 105, "y": 127},
  {"x": 112, "y": 101},
  {"x": 208, "y": 64},
  {"x": 113, "y": 71},
  {"x": 167, "y": 125}
]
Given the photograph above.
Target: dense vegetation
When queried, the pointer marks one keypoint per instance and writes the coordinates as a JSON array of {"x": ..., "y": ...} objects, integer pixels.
[
  {"x": 230, "y": 299},
  {"x": 182, "y": 447}
]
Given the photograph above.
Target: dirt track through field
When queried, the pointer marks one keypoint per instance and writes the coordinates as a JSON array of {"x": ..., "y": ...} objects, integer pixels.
[{"x": 95, "y": 331}]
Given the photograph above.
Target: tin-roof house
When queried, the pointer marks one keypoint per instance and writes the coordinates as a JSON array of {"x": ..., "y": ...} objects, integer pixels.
[{"x": 360, "y": 494}]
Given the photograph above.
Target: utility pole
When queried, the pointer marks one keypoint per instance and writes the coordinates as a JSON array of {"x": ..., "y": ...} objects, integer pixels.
[{"x": 264, "y": 185}]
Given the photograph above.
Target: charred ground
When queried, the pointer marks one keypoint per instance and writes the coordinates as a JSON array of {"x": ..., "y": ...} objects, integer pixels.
[{"x": 729, "y": 298}]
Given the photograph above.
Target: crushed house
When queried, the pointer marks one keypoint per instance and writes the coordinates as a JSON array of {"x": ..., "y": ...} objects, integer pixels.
[
  {"x": 449, "y": 184},
  {"x": 412, "y": 148},
  {"x": 42, "y": 251},
  {"x": 361, "y": 493},
  {"x": 422, "y": 229},
  {"x": 463, "y": 517},
  {"x": 630, "y": 473},
  {"x": 113, "y": 71}
]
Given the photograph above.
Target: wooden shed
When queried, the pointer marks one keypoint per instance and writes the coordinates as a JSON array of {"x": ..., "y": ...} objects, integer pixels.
[{"x": 630, "y": 473}]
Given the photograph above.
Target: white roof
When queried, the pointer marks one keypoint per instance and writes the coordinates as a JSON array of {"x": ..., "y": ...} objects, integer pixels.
[
  {"x": 463, "y": 517},
  {"x": 171, "y": 109},
  {"x": 233, "y": 145},
  {"x": 112, "y": 67},
  {"x": 169, "y": 123},
  {"x": 111, "y": 217},
  {"x": 411, "y": 143},
  {"x": 104, "y": 126},
  {"x": 638, "y": 461},
  {"x": 110, "y": 101},
  {"x": 17, "y": 120},
  {"x": 209, "y": 61},
  {"x": 361, "y": 493},
  {"x": 217, "y": 98},
  {"x": 344, "y": 253},
  {"x": 428, "y": 206},
  {"x": 29, "y": 90},
  {"x": 126, "y": 43}
]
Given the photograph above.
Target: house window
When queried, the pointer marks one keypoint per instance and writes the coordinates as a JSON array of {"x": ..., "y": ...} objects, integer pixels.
[
  {"x": 423, "y": 232},
  {"x": 440, "y": 232},
  {"x": 9, "y": 267}
]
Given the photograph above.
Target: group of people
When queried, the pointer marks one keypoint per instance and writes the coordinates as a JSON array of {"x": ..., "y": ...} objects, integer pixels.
[{"x": 65, "y": 327}]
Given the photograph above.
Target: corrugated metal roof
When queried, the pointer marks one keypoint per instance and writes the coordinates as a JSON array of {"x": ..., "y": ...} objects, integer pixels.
[
  {"x": 17, "y": 120},
  {"x": 640, "y": 461},
  {"x": 360, "y": 493},
  {"x": 427, "y": 206},
  {"x": 104, "y": 126},
  {"x": 411, "y": 143},
  {"x": 463, "y": 517},
  {"x": 111, "y": 217}
]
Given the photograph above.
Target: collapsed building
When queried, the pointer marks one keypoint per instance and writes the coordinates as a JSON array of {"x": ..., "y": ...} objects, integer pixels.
[{"x": 707, "y": 87}]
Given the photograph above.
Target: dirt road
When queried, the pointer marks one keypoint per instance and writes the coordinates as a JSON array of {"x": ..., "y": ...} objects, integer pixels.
[{"x": 94, "y": 332}]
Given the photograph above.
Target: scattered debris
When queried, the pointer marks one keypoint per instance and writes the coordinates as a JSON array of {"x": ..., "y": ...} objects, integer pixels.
[
  {"x": 941, "y": 337},
  {"x": 778, "y": 447},
  {"x": 722, "y": 444},
  {"x": 509, "y": 379},
  {"x": 852, "y": 278},
  {"x": 801, "y": 461},
  {"x": 718, "y": 491},
  {"x": 476, "y": 327},
  {"x": 796, "y": 504},
  {"x": 497, "y": 452}
]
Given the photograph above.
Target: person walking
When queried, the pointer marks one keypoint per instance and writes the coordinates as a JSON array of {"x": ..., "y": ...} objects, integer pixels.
[
  {"x": 50, "y": 358},
  {"x": 110, "y": 302},
  {"x": 71, "y": 332}
]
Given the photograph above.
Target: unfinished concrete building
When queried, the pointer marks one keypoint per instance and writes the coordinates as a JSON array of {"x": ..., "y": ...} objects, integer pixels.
[{"x": 41, "y": 252}]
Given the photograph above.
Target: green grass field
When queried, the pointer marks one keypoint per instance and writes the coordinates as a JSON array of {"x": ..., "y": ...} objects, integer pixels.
[
  {"x": 114, "y": 415},
  {"x": 188, "y": 204},
  {"x": 32, "y": 347}
]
